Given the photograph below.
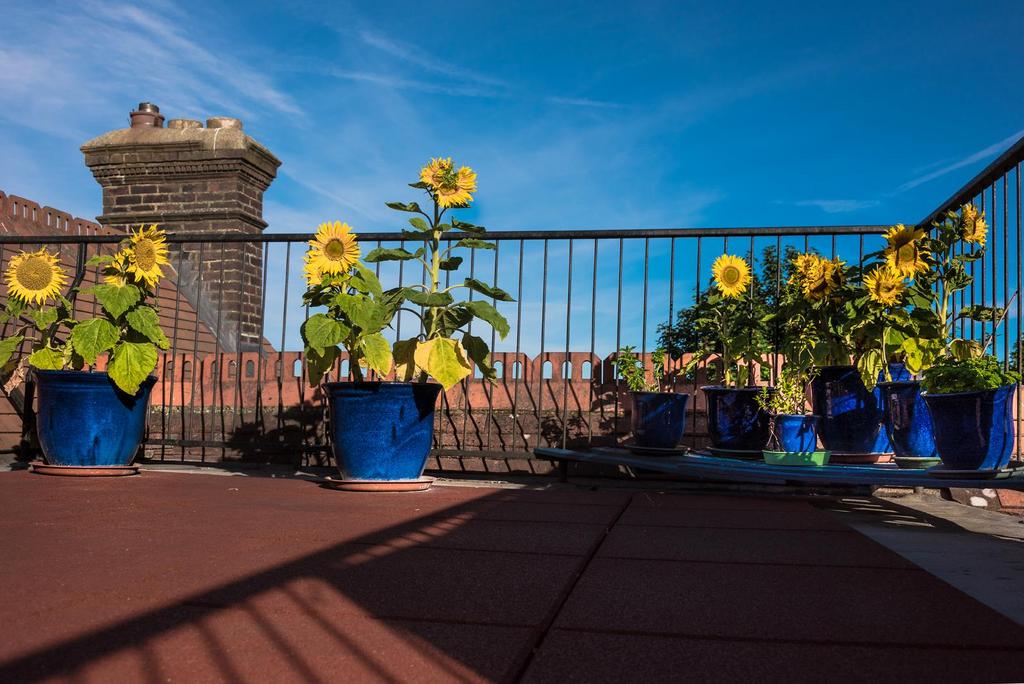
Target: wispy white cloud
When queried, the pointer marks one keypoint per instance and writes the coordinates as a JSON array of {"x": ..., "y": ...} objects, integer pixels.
[
  {"x": 835, "y": 206},
  {"x": 103, "y": 56},
  {"x": 421, "y": 58},
  {"x": 585, "y": 102},
  {"x": 399, "y": 83},
  {"x": 980, "y": 155}
]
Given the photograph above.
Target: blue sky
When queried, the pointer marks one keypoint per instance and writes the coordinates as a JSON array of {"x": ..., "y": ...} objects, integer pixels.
[{"x": 574, "y": 114}]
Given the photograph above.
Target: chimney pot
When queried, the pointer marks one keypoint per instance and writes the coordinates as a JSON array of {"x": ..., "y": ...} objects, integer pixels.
[
  {"x": 146, "y": 116},
  {"x": 180, "y": 124},
  {"x": 223, "y": 122}
]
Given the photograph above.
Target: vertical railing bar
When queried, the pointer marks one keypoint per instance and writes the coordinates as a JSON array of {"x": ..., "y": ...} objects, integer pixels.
[
  {"x": 1020, "y": 311},
  {"x": 1006, "y": 275},
  {"x": 236, "y": 404},
  {"x": 488, "y": 387},
  {"x": 284, "y": 330},
  {"x": 175, "y": 369},
  {"x": 401, "y": 275},
  {"x": 643, "y": 319},
  {"x": 751, "y": 380},
  {"x": 195, "y": 357},
  {"x": 565, "y": 361},
  {"x": 618, "y": 346},
  {"x": 993, "y": 241},
  {"x": 472, "y": 376},
  {"x": 594, "y": 368},
  {"x": 258, "y": 420},
  {"x": 779, "y": 263},
  {"x": 697, "y": 301},
  {"x": 217, "y": 388},
  {"x": 517, "y": 426},
  {"x": 974, "y": 283},
  {"x": 540, "y": 353}
]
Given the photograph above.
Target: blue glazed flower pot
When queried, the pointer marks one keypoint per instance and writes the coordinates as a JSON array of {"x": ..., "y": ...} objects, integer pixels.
[
  {"x": 907, "y": 420},
  {"x": 850, "y": 416},
  {"x": 85, "y": 420},
  {"x": 381, "y": 431},
  {"x": 973, "y": 430},
  {"x": 796, "y": 434},
  {"x": 735, "y": 420},
  {"x": 658, "y": 419}
]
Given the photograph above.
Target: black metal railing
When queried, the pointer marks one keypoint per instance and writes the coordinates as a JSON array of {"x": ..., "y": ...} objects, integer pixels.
[{"x": 233, "y": 384}]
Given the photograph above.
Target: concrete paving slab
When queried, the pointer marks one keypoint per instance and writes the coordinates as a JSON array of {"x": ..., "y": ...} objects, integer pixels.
[
  {"x": 848, "y": 605},
  {"x": 721, "y": 545},
  {"x": 595, "y": 658}
]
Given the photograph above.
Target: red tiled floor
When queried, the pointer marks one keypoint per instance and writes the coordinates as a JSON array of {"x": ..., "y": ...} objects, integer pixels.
[{"x": 210, "y": 578}]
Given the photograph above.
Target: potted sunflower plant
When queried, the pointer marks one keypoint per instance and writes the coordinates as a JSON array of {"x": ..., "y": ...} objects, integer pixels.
[
  {"x": 898, "y": 331},
  {"x": 732, "y": 328},
  {"x": 969, "y": 396},
  {"x": 793, "y": 436},
  {"x": 657, "y": 414},
  {"x": 89, "y": 422},
  {"x": 817, "y": 314},
  {"x": 382, "y": 431}
]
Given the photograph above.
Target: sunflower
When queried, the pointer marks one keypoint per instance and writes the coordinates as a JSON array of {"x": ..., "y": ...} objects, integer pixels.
[
  {"x": 114, "y": 273},
  {"x": 801, "y": 264},
  {"x": 732, "y": 275},
  {"x": 35, "y": 277},
  {"x": 451, "y": 188},
  {"x": 884, "y": 285},
  {"x": 436, "y": 171},
  {"x": 904, "y": 253},
  {"x": 333, "y": 251},
  {"x": 973, "y": 225},
  {"x": 146, "y": 253},
  {"x": 821, "y": 278}
]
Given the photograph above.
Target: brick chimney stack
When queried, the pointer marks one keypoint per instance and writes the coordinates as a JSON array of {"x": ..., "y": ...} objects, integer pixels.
[{"x": 191, "y": 179}]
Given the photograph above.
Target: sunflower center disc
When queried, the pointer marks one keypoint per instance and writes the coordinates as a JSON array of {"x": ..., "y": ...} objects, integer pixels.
[
  {"x": 145, "y": 255},
  {"x": 34, "y": 273},
  {"x": 334, "y": 249}
]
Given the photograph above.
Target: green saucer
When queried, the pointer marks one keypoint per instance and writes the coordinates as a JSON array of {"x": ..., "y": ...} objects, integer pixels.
[
  {"x": 916, "y": 462},
  {"x": 788, "y": 458}
]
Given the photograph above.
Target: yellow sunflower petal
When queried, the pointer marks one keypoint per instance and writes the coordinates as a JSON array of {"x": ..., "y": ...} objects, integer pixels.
[
  {"x": 732, "y": 275},
  {"x": 333, "y": 251},
  {"x": 35, "y": 277},
  {"x": 146, "y": 253},
  {"x": 973, "y": 225},
  {"x": 904, "y": 252},
  {"x": 884, "y": 285}
]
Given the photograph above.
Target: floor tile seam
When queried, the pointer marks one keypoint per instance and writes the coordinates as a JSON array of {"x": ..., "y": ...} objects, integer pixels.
[
  {"x": 441, "y": 547},
  {"x": 890, "y": 645},
  {"x": 526, "y": 657},
  {"x": 705, "y": 561},
  {"x": 733, "y": 527}
]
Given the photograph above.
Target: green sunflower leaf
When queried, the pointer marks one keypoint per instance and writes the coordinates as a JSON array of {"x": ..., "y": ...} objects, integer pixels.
[
  {"x": 116, "y": 299},
  {"x": 130, "y": 364},
  {"x": 146, "y": 321},
  {"x": 92, "y": 337}
]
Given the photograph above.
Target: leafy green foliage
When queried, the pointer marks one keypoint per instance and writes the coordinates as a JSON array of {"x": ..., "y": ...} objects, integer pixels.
[
  {"x": 357, "y": 310},
  {"x": 632, "y": 370},
  {"x": 445, "y": 351},
  {"x": 788, "y": 397},
  {"x": 127, "y": 328},
  {"x": 737, "y": 330},
  {"x": 967, "y": 375}
]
